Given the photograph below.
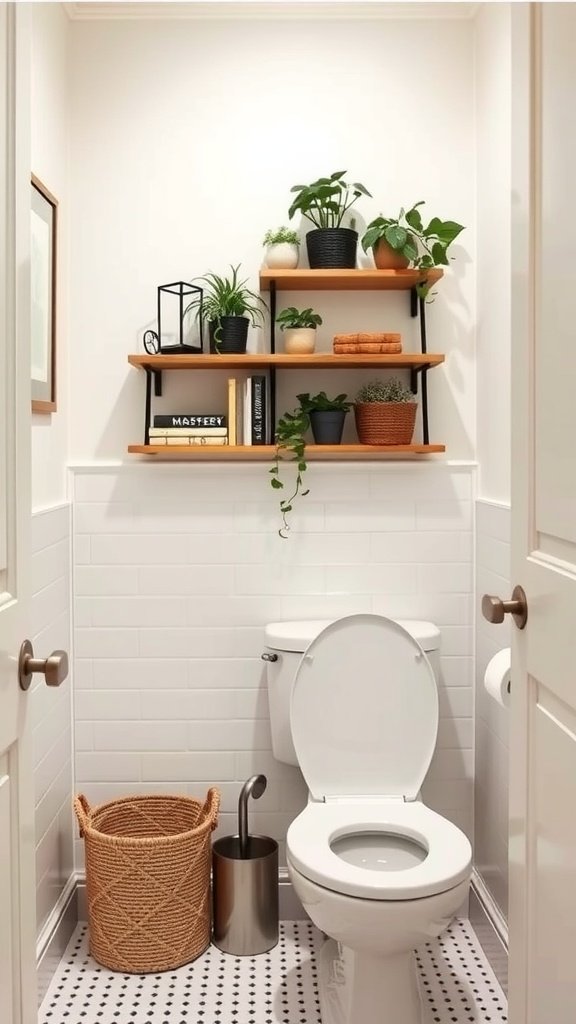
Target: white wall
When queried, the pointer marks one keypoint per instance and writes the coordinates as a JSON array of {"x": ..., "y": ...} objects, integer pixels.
[
  {"x": 176, "y": 576},
  {"x": 51, "y": 710},
  {"x": 50, "y": 162},
  {"x": 493, "y": 113},
  {"x": 187, "y": 137}
]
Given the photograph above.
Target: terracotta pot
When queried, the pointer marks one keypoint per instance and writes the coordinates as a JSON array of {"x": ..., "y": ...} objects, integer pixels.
[
  {"x": 387, "y": 258},
  {"x": 299, "y": 341}
]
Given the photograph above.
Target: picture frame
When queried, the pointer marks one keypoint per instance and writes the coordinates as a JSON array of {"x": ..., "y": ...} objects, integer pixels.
[{"x": 43, "y": 254}]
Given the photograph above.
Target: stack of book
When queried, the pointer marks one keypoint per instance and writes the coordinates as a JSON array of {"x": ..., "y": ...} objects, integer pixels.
[
  {"x": 244, "y": 424},
  {"x": 189, "y": 429}
]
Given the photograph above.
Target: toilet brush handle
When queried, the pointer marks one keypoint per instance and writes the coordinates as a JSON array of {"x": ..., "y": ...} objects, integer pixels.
[{"x": 254, "y": 787}]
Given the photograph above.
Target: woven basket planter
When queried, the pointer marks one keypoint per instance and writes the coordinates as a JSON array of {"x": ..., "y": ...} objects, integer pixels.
[
  {"x": 385, "y": 422},
  {"x": 148, "y": 879}
]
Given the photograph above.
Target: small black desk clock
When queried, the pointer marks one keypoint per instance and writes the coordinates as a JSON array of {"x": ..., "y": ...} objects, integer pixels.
[{"x": 170, "y": 295}]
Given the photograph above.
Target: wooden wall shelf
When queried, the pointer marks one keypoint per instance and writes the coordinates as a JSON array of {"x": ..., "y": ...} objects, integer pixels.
[
  {"x": 264, "y": 452},
  {"x": 318, "y": 361},
  {"x": 344, "y": 280}
]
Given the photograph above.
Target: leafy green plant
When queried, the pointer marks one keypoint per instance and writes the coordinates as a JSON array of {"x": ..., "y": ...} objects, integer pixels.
[
  {"x": 281, "y": 235},
  {"x": 321, "y": 403},
  {"x": 292, "y": 317},
  {"x": 326, "y": 201},
  {"x": 391, "y": 390},
  {"x": 425, "y": 247},
  {"x": 291, "y": 443},
  {"x": 226, "y": 296}
]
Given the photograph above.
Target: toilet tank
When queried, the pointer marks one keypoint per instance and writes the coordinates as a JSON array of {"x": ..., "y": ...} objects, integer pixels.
[{"x": 286, "y": 642}]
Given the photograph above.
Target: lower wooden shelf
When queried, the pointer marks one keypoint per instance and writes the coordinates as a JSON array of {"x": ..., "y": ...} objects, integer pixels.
[{"x": 264, "y": 452}]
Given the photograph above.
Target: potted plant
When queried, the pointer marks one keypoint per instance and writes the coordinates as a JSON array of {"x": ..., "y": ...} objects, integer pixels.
[
  {"x": 282, "y": 249},
  {"x": 385, "y": 412},
  {"x": 326, "y": 416},
  {"x": 402, "y": 241},
  {"x": 291, "y": 441},
  {"x": 228, "y": 307},
  {"x": 299, "y": 327},
  {"x": 326, "y": 202}
]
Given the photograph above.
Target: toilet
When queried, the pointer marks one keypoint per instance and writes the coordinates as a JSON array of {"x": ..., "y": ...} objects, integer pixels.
[{"x": 354, "y": 703}]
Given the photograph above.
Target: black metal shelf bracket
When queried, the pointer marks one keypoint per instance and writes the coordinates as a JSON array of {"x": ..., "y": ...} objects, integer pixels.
[
  {"x": 157, "y": 374},
  {"x": 413, "y": 302},
  {"x": 423, "y": 346}
]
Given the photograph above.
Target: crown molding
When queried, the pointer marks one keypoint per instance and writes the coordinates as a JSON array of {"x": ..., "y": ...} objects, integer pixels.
[{"x": 329, "y": 10}]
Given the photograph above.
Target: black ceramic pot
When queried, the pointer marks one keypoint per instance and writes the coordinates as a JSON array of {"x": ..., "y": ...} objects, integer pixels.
[
  {"x": 327, "y": 426},
  {"x": 232, "y": 335},
  {"x": 332, "y": 248}
]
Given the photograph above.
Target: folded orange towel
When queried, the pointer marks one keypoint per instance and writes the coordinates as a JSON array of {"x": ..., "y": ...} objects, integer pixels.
[
  {"x": 370, "y": 338},
  {"x": 366, "y": 348}
]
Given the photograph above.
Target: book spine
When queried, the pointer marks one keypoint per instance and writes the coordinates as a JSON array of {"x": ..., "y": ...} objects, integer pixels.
[
  {"x": 259, "y": 410},
  {"x": 232, "y": 410},
  {"x": 188, "y": 431},
  {"x": 189, "y": 420},
  {"x": 190, "y": 442},
  {"x": 247, "y": 412}
]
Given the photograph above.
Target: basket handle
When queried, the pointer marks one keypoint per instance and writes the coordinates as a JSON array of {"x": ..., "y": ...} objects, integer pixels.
[
  {"x": 82, "y": 809},
  {"x": 211, "y": 808}
]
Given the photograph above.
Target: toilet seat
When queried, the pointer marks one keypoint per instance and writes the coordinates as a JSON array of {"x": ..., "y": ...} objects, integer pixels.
[{"x": 447, "y": 864}]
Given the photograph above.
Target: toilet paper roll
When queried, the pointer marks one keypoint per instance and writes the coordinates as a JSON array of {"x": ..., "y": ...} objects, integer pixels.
[{"x": 497, "y": 677}]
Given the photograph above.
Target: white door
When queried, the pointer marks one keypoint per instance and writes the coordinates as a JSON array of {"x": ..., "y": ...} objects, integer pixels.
[
  {"x": 17, "y": 903},
  {"x": 543, "y": 717}
]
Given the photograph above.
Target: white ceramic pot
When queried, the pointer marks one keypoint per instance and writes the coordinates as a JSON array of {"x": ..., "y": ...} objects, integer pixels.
[
  {"x": 299, "y": 341},
  {"x": 282, "y": 256}
]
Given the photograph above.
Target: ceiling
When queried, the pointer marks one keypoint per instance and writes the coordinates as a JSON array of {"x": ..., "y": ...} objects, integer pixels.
[{"x": 84, "y": 10}]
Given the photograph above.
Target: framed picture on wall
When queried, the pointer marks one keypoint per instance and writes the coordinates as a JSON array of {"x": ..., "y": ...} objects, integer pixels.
[{"x": 43, "y": 238}]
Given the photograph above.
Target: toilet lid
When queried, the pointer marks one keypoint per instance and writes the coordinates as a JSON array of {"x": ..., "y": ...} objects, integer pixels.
[{"x": 364, "y": 710}]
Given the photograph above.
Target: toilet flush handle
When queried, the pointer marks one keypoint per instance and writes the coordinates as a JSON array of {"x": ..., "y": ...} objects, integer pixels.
[{"x": 266, "y": 656}]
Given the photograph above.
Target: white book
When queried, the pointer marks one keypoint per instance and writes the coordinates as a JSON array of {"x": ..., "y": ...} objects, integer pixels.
[
  {"x": 188, "y": 431},
  {"x": 247, "y": 412},
  {"x": 195, "y": 442}
]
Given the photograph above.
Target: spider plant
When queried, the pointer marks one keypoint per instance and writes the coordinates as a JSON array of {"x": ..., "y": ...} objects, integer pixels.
[{"x": 226, "y": 296}]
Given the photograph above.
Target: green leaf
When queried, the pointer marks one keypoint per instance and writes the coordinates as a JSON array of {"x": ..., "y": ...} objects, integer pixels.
[
  {"x": 276, "y": 484},
  {"x": 410, "y": 250},
  {"x": 439, "y": 254},
  {"x": 414, "y": 219},
  {"x": 396, "y": 236}
]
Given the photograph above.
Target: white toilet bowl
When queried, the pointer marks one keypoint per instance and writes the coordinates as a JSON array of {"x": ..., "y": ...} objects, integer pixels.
[{"x": 375, "y": 869}]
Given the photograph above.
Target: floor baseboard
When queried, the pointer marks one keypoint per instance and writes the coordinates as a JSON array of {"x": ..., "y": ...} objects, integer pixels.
[
  {"x": 491, "y": 928},
  {"x": 55, "y": 935}
]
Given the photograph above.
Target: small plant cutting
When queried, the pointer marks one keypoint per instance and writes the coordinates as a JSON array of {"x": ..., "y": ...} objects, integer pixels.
[
  {"x": 299, "y": 329},
  {"x": 413, "y": 244},
  {"x": 385, "y": 412},
  {"x": 326, "y": 203},
  {"x": 282, "y": 248},
  {"x": 228, "y": 306},
  {"x": 291, "y": 442}
]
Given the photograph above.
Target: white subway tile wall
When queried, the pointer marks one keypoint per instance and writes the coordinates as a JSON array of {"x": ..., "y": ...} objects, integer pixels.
[
  {"x": 491, "y": 720},
  {"x": 51, "y": 709},
  {"x": 180, "y": 567}
]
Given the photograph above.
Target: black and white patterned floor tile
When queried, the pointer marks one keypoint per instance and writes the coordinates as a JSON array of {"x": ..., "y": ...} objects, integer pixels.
[{"x": 280, "y": 987}]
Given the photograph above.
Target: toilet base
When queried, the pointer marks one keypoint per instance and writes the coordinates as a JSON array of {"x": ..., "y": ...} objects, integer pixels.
[{"x": 356, "y": 986}]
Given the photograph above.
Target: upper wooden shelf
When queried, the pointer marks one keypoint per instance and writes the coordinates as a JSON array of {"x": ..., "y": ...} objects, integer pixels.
[
  {"x": 261, "y": 361},
  {"x": 344, "y": 280}
]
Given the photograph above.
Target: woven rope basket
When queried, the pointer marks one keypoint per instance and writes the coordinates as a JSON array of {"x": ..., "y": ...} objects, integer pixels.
[
  {"x": 385, "y": 422},
  {"x": 148, "y": 879}
]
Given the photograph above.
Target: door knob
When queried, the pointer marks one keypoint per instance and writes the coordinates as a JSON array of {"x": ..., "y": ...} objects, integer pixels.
[
  {"x": 54, "y": 668},
  {"x": 494, "y": 608}
]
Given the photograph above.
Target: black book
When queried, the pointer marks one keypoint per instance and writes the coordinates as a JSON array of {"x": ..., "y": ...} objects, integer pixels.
[
  {"x": 258, "y": 417},
  {"x": 190, "y": 420}
]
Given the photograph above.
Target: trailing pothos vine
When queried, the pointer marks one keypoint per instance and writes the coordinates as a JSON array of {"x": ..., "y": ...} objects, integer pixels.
[{"x": 290, "y": 432}]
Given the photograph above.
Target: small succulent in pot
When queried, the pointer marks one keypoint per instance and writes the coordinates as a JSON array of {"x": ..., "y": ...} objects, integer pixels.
[
  {"x": 291, "y": 441},
  {"x": 282, "y": 248},
  {"x": 402, "y": 241},
  {"x": 299, "y": 329},
  {"x": 385, "y": 412}
]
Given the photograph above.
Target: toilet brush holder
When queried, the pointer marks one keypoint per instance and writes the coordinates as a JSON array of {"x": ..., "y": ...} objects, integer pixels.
[{"x": 245, "y": 885}]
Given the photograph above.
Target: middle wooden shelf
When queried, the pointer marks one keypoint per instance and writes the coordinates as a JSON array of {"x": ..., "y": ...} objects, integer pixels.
[{"x": 261, "y": 361}]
